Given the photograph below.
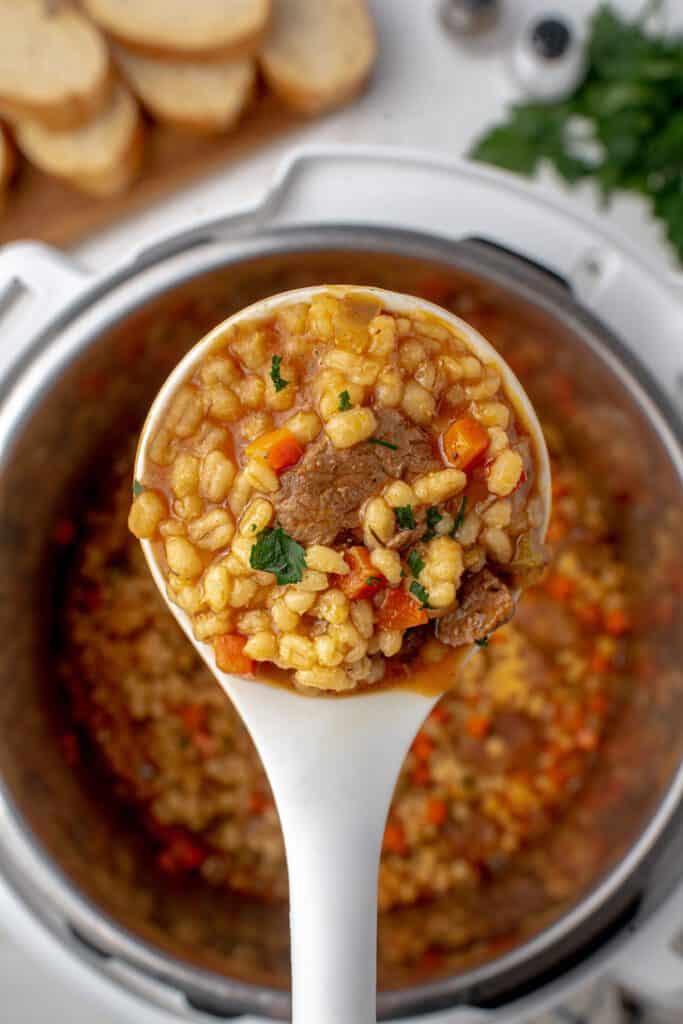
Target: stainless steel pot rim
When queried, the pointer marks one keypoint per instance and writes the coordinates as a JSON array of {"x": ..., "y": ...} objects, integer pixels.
[{"x": 52, "y": 350}]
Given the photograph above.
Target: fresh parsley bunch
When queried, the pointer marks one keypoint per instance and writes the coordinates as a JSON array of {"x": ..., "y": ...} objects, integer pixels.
[{"x": 623, "y": 127}]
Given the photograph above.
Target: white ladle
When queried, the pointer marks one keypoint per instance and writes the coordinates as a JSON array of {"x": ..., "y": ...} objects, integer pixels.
[{"x": 332, "y": 762}]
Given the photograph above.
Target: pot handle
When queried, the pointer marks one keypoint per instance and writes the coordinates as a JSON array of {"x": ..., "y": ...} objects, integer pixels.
[
  {"x": 34, "y": 279},
  {"x": 651, "y": 968}
]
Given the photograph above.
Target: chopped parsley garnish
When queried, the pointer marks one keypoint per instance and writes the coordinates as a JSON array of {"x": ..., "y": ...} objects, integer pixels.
[
  {"x": 372, "y": 580},
  {"x": 460, "y": 518},
  {"x": 138, "y": 488},
  {"x": 484, "y": 642},
  {"x": 420, "y": 592},
  {"x": 434, "y": 517},
  {"x": 278, "y": 382},
  {"x": 276, "y": 552},
  {"x": 385, "y": 444},
  {"x": 415, "y": 563},
  {"x": 404, "y": 517},
  {"x": 344, "y": 401}
]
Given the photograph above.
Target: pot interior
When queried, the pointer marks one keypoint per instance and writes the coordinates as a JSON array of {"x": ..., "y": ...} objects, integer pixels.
[{"x": 65, "y": 796}]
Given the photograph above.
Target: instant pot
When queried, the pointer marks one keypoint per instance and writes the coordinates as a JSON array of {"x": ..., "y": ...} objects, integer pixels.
[{"x": 74, "y": 888}]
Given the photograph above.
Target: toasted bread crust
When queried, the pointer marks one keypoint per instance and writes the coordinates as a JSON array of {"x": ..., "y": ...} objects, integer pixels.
[
  {"x": 287, "y": 76},
  {"x": 247, "y": 44}
]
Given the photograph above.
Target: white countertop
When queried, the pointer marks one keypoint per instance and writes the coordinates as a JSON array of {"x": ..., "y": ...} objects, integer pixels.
[{"x": 426, "y": 92}]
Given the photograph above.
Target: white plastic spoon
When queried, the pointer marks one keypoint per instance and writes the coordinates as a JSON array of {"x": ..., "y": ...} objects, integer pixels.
[{"x": 332, "y": 761}]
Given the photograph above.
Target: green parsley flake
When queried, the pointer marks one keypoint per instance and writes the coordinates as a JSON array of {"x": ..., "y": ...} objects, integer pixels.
[
  {"x": 434, "y": 517},
  {"x": 344, "y": 401},
  {"x": 404, "y": 517},
  {"x": 276, "y": 552},
  {"x": 372, "y": 580},
  {"x": 484, "y": 642},
  {"x": 138, "y": 488},
  {"x": 278, "y": 382},
  {"x": 385, "y": 444},
  {"x": 415, "y": 563},
  {"x": 460, "y": 518},
  {"x": 420, "y": 592}
]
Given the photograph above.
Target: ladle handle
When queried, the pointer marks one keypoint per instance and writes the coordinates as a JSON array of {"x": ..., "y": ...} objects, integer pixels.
[{"x": 333, "y": 867}]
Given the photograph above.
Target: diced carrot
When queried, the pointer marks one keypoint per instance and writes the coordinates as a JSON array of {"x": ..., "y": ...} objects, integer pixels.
[
  {"x": 400, "y": 611},
  {"x": 436, "y": 811},
  {"x": 395, "y": 839},
  {"x": 193, "y": 716},
  {"x": 440, "y": 714},
  {"x": 422, "y": 747},
  {"x": 598, "y": 704},
  {"x": 598, "y": 663},
  {"x": 560, "y": 587},
  {"x": 364, "y": 580},
  {"x": 181, "y": 855},
  {"x": 279, "y": 448},
  {"x": 206, "y": 744},
  {"x": 588, "y": 615},
  {"x": 465, "y": 442},
  {"x": 586, "y": 739},
  {"x": 421, "y": 775},
  {"x": 230, "y": 656},
  {"x": 478, "y": 726},
  {"x": 557, "y": 530},
  {"x": 617, "y": 622},
  {"x": 258, "y": 802}
]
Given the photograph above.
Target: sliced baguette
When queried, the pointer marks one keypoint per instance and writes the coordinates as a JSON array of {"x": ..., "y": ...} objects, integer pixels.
[
  {"x": 7, "y": 157},
  {"x": 184, "y": 29},
  {"x": 54, "y": 64},
  {"x": 207, "y": 96},
  {"x": 318, "y": 55},
  {"x": 100, "y": 158}
]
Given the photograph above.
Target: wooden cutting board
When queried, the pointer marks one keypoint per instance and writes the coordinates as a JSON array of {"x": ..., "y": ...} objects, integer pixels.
[{"x": 40, "y": 207}]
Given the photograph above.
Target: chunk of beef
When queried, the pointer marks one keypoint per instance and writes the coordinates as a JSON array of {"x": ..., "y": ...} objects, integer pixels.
[
  {"x": 485, "y": 603},
  {"x": 321, "y": 496}
]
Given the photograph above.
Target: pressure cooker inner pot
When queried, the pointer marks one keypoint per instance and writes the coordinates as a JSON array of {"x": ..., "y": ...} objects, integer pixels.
[{"x": 551, "y": 758}]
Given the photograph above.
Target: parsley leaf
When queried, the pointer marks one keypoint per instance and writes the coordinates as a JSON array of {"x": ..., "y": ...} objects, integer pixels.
[
  {"x": 385, "y": 444},
  {"x": 278, "y": 382},
  {"x": 276, "y": 552},
  {"x": 420, "y": 593},
  {"x": 460, "y": 518},
  {"x": 344, "y": 401},
  {"x": 622, "y": 127},
  {"x": 404, "y": 517},
  {"x": 484, "y": 642},
  {"x": 138, "y": 488},
  {"x": 372, "y": 580},
  {"x": 415, "y": 563},
  {"x": 434, "y": 517}
]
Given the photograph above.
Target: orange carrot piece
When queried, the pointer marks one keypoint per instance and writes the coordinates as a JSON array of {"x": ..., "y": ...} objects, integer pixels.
[
  {"x": 465, "y": 442},
  {"x": 364, "y": 580},
  {"x": 436, "y": 811},
  {"x": 230, "y": 656},
  {"x": 617, "y": 622},
  {"x": 478, "y": 726},
  {"x": 279, "y": 448},
  {"x": 400, "y": 611},
  {"x": 560, "y": 587},
  {"x": 422, "y": 747},
  {"x": 395, "y": 839}
]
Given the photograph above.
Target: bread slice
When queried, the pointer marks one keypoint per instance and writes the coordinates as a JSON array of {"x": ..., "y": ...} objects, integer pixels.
[
  {"x": 54, "y": 64},
  {"x": 7, "y": 157},
  {"x": 100, "y": 158},
  {"x": 189, "y": 29},
  {"x": 205, "y": 96},
  {"x": 318, "y": 55}
]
